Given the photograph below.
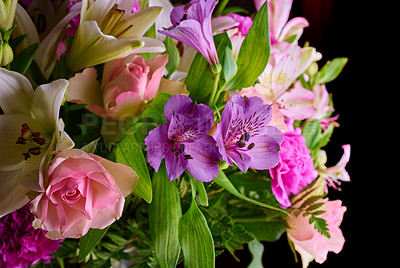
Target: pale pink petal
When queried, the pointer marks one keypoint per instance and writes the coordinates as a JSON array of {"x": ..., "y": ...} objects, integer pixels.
[
  {"x": 106, "y": 217},
  {"x": 156, "y": 65},
  {"x": 124, "y": 176},
  {"x": 297, "y": 103},
  {"x": 84, "y": 88}
]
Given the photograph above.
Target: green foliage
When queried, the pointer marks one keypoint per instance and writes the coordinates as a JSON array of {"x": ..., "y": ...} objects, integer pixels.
[
  {"x": 320, "y": 225},
  {"x": 130, "y": 153},
  {"x": 89, "y": 241},
  {"x": 173, "y": 56},
  {"x": 164, "y": 214},
  {"x": 330, "y": 71},
  {"x": 230, "y": 235},
  {"x": 315, "y": 137},
  {"x": 254, "y": 52},
  {"x": 196, "y": 239},
  {"x": 200, "y": 80},
  {"x": 23, "y": 60}
]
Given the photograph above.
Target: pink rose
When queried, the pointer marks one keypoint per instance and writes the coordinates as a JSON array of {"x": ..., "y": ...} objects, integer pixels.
[
  {"x": 309, "y": 242},
  {"x": 81, "y": 191},
  {"x": 126, "y": 85},
  {"x": 295, "y": 170}
]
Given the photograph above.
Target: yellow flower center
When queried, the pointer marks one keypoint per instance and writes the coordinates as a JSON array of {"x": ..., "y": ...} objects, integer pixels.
[{"x": 113, "y": 24}]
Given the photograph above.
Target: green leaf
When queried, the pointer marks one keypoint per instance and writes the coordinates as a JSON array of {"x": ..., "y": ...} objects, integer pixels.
[
  {"x": 36, "y": 73},
  {"x": 173, "y": 56},
  {"x": 312, "y": 133},
  {"x": 256, "y": 248},
  {"x": 224, "y": 182},
  {"x": 15, "y": 42},
  {"x": 164, "y": 214},
  {"x": 254, "y": 52},
  {"x": 230, "y": 68},
  {"x": 130, "y": 153},
  {"x": 198, "y": 187},
  {"x": 265, "y": 231},
  {"x": 196, "y": 239},
  {"x": 199, "y": 80},
  {"x": 320, "y": 225},
  {"x": 330, "y": 71},
  {"x": 89, "y": 241},
  {"x": 90, "y": 147},
  {"x": 24, "y": 59},
  {"x": 155, "y": 111}
]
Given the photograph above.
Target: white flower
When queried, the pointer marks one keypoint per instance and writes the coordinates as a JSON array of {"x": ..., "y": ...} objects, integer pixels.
[
  {"x": 30, "y": 132},
  {"x": 7, "y": 13},
  {"x": 109, "y": 30}
]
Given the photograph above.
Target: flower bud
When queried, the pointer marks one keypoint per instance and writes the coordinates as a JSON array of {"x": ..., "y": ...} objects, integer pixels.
[{"x": 6, "y": 54}]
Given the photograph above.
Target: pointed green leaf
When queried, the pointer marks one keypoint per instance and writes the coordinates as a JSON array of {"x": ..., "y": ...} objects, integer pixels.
[
  {"x": 196, "y": 239},
  {"x": 225, "y": 183},
  {"x": 254, "y": 52},
  {"x": 173, "y": 55},
  {"x": 89, "y": 241},
  {"x": 265, "y": 231},
  {"x": 24, "y": 59},
  {"x": 90, "y": 147},
  {"x": 130, "y": 153},
  {"x": 164, "y": 214},
  {"x": 330, "y": 71},
  {"x": 198, "y": 187}
]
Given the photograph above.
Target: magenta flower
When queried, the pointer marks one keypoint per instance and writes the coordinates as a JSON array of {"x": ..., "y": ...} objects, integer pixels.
[
  {"x": 21, "y": 245},
  {"x": 295, "y": 170},
  {"x": 183, "y": 141},
  {"x": 244, "y": 137},
  {"x": 191, "y": 25}
]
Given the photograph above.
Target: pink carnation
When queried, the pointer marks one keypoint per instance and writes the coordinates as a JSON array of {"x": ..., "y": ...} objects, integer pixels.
[
  {"x": 21, "y": 245},
  {"x": 309, "y": 242},
  {"x": 295, "y": 170}
]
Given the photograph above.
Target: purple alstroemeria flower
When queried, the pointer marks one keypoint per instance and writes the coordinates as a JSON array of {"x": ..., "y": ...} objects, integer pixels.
[
  {"x": 244, "y": 137},
  {"x": 183, "y": 141},
  {"x": 191, "y": 25}
]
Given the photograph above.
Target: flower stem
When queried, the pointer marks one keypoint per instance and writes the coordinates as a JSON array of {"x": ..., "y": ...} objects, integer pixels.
[
  {"x": 221, "y": 6},
  {"x": 216, "y": 70}
]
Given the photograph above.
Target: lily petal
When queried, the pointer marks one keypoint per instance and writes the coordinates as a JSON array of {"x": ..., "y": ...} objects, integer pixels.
[
  {"x": 18, "y": 89},
  {"x": 26, "y": 27},
  {"x": 141, "y": 22},
  {"x": 11, "y": 157},
  {"x": 92, "y": 47},
  {"x": 47, "y": 102},
  {"x": 46, "y": 55},
  {"x": 12, "y": 194}
]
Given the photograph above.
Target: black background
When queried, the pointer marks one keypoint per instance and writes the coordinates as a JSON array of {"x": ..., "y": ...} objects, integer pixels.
[{"x": 344, "y": 28}]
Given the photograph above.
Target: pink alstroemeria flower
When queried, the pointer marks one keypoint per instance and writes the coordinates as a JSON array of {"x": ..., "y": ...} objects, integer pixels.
[
  {"x": 191, "y": 25},
  {"x": 278, "y": 13},
  {"x": 333, "y": 175},
  {"x": 287, "y": 62}
]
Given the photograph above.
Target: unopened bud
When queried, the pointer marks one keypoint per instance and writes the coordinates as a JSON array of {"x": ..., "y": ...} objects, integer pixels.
[{"x": 6, "y": 54}]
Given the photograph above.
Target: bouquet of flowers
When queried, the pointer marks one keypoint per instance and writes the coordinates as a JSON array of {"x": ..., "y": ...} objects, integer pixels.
[{"x": 143, "y": 134}]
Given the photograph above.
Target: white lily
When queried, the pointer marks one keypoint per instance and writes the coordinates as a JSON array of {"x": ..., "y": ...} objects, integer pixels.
[
  {"x": 108, "y": 30},
  {"x": 7, "y": 13},
  {"x": 30, "y": 132}
]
